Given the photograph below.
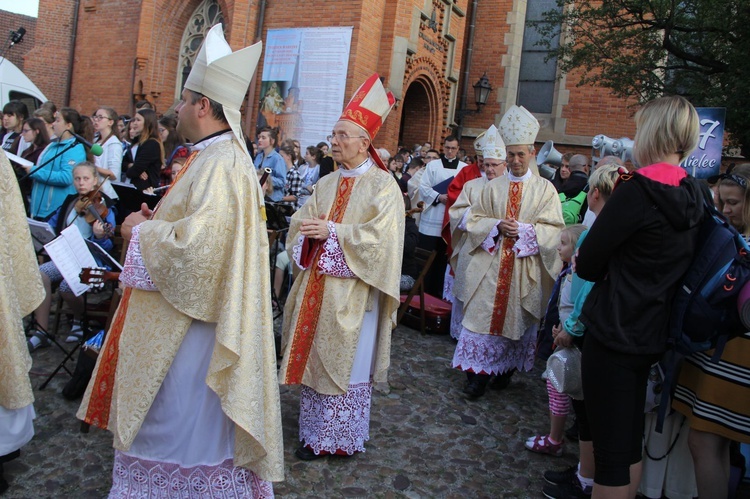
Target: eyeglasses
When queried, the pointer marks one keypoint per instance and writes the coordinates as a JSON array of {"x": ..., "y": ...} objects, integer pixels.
[
  {"x": 99, "y": 117},
  {"x": 25, "y": 130},
  {"x": 734, "y": 178},
  {"x": 344, "y": 136}
]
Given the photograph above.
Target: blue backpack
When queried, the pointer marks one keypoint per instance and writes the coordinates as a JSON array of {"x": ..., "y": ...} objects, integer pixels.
[{"x": 704, "y": 311}]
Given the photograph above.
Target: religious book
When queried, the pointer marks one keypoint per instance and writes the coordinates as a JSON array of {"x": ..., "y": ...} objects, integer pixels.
[{"x": 442, "y": 187}]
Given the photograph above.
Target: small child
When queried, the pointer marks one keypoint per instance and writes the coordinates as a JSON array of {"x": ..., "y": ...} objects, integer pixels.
[{"x": 559, "y": 403}]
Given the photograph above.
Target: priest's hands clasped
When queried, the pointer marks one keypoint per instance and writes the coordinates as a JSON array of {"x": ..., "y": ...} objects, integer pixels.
[
  {"x": 315, "y": 228},
  {"x": 508, "y": 227}
]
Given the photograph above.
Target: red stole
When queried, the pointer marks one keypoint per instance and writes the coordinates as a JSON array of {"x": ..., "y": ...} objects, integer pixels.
[
  {"x": 307, "y": 321},
  {"x": 507, "y": 260},
  {"x": 467, "y": 173}
]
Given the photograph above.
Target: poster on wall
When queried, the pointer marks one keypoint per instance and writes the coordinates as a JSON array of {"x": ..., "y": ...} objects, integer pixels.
[
  {"x": 705, "y": 160},
  {"x": 304, "y": 81}
]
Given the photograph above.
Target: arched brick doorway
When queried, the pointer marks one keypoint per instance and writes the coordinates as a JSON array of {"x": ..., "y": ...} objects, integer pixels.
[{"x": 419, "y": 115}]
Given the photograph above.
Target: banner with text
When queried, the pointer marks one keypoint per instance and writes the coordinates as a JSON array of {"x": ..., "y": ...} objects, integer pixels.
[
  {"x": 304, "y": 82},
  {"x": 705, "y": 160}
]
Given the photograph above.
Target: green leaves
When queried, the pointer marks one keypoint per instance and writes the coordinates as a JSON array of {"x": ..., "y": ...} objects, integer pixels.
[{"x": 646, "y": 48}]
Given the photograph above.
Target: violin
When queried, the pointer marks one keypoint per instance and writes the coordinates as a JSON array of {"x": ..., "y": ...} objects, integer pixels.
[
  {"x": 92, "y": 208},
  {"x": 418, "y": 209}
]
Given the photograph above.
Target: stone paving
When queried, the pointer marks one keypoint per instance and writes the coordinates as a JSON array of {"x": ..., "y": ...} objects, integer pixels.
[{"x": 426, "y": 440}]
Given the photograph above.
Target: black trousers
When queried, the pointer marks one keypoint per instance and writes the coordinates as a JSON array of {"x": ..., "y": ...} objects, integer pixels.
[{"x": 614, "y": 387}]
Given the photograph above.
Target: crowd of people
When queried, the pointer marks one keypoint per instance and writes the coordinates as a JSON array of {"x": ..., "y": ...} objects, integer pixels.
[{"x": 187, "y": 377}]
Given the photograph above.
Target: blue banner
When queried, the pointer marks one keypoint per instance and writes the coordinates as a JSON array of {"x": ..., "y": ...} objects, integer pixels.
[{"x": 705, "y": 160}]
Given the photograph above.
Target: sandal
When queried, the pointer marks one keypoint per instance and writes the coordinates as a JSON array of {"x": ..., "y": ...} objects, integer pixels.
[
  {"x": 37, "y": 340},
  {"x": 543, "y": 445},
  {"x": 76, "y": 334}
]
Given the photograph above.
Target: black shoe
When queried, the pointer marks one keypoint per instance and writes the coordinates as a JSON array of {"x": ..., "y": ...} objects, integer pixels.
[
  {"x": 476, "y": 386},
  {"x": 559, "y": 477},
  {"x": 572, "y": 432},
  {"x": 3, "y": 482},
  {"x": 502, "y": 381},
  {"x": 570, "y": 490},
  {"x": 306, "y": 454}
]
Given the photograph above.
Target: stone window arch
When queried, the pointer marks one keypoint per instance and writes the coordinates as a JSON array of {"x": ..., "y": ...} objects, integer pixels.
[{"x": 205, "y": 16}]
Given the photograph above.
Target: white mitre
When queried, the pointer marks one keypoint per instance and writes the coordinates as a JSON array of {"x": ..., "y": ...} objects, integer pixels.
[
  {"x": 519, "y": 127},
  {"x": 493, "y": 147},
  {"x": 479, "y": 143},
  {"x": 223, "y": 75}
]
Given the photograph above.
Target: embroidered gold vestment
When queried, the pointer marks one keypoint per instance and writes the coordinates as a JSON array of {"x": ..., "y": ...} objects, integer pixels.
[
  {"x": 532, "y": 277},
  {"x": 21, "y": 291},
  {"x": 460, "y": 256},
  {"x": 207, "y": 252},
  {"x": 371, "y": 236}
]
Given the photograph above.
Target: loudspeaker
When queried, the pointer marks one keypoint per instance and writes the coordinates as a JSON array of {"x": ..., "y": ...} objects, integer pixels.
[
  {"x": 549, "y": 155},
  {"x": 603, "y": 144},
  {"x": 623, "y": 148}
]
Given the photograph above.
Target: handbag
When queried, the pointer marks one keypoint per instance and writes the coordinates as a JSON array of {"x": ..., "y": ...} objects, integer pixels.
[{"x": 564, "y": 371}]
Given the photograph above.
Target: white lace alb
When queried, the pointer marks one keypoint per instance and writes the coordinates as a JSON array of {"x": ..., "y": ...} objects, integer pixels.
[
  {"x": 143, "y": 479},
  {"x": 335, "y": 423},
  {"x": 490, "y": 354}
]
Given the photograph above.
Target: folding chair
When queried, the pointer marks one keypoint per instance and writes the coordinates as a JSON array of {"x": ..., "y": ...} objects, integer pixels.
[{"x": 425, "y": 259}]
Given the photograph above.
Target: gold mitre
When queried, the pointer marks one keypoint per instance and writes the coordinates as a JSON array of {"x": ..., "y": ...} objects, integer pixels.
[
  {"x": 493, "y": 146},
  {"x": 223, "y": 75},
  {"x": 518, "y": 127}
]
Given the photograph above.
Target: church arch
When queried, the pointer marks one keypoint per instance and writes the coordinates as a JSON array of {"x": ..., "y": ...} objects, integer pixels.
[{"x": 204, "y": 17}]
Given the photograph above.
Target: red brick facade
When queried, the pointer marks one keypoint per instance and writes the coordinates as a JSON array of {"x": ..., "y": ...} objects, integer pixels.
[
  {"x": 129, "y": 50},
  {"x": 11, "y": 22}
]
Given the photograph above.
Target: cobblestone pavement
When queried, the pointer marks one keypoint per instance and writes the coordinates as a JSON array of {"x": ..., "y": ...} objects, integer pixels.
[{"x": 426, "y": 440}]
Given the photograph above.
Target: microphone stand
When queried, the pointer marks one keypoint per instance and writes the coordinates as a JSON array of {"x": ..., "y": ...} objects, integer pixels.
[{"x": 67, "y": 148}]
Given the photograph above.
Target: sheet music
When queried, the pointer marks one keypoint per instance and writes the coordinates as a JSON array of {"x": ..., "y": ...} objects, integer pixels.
[
  {"x": 41, "y": 233},
  {"x": 18, "y": 159},
  {"x": 122, "y": 184},
  {"x": 70, "y": 254},
  {"x": 98, "y": 251}
]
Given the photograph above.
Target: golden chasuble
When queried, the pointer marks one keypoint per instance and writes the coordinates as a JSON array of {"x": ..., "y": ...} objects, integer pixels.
[
  {"x": 206, "y": 250},
  {"x": 460, "y": 257},
  {"x": 100, "y": 401},
  {"x": 304, "y": 332},
  {"x": 371, "y": 235},
  {"x": 528, "y": 282},
  {"x": 21, "y": 291}
]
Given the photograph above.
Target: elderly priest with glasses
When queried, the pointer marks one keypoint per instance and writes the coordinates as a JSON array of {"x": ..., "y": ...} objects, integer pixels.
[{"x": 348, "y": 240}]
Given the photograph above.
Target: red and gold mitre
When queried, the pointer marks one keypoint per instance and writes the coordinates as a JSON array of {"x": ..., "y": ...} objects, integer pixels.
[{"x": 368, "y": 109}]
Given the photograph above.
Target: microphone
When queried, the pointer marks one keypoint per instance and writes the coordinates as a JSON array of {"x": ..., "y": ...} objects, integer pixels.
[{"x": 95, "y": 149}]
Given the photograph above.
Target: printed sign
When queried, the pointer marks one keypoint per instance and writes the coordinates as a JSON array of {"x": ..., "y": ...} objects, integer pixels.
[
  {"x": 705, "y": 160},
  {"x": 304, "y": 81}
]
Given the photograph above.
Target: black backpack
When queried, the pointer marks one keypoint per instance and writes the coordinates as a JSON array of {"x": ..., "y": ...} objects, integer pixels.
[{"x": 704, "y": 312}]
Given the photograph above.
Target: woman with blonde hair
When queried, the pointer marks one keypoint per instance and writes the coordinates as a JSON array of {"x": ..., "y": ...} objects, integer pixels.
[{"x": 636, "y": 253}]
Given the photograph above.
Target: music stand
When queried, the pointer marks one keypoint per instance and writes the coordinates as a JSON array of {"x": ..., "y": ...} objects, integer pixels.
[
  {"x": 87, "y": 333},
  {"x": 277, "y": 222},
  {"x": 276, "y": 216}
]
